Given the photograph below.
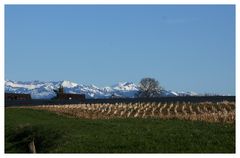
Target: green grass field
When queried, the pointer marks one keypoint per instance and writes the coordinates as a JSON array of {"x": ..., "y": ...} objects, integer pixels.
[{"x": 53, "y": 133}]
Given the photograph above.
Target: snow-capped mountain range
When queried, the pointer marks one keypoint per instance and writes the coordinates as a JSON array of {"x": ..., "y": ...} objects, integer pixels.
[{"x": 44, "y": 90}]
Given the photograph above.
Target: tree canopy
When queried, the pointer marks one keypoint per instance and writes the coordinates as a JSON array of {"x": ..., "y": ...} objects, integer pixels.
[{"x": 149, "y": 88}]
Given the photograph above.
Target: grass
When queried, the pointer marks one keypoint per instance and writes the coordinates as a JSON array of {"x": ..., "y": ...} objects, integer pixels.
[{"x": 59, "y": 134}]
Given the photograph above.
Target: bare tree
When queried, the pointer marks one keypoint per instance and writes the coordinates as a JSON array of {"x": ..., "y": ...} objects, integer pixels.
[{"x": 148, "y": 88}]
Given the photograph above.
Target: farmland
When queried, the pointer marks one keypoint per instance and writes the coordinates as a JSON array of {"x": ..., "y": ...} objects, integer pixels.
[
  {"x": 203, "y": 111},
  {"x": 168, "y": 127}
]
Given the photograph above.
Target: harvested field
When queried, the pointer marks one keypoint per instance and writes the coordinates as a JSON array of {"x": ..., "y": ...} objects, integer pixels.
[{"x": 204, "y": 111}]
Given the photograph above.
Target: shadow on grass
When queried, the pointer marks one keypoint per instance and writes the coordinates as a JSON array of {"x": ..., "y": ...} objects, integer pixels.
[{"x": 45, "y": 139}]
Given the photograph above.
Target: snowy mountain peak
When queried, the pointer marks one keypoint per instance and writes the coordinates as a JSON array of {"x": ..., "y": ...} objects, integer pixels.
[
  {"x": 14, "y": 84},
  {"x": 68, "y": 84},
  {"x": 126, "y": 86},
  {"x": 44, "y": 90},
  {"x": 123, "y": 84}
]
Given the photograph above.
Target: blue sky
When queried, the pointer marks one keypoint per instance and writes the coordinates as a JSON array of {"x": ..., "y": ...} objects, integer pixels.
[{"x": 184, "y": 47}]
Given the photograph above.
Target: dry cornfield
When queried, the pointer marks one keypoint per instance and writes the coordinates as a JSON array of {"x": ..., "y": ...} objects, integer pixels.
[{"x": 203, "y": 111}]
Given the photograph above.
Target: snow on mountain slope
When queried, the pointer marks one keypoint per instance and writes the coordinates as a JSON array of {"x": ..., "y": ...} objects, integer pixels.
[
  {"x": 44, "y": 90},
  {"x": 169, "y": 93},
  {"x": 187, "y": 94},
  {"x": 125, "y": 86},
  {"x": 22, "y": 85},
  {"x": 69, "y": 84},
  {"x": 37, "y": 89}
]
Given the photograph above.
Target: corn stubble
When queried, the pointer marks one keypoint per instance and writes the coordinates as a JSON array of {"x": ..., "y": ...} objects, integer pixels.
[{"x": 204, "y": 111}]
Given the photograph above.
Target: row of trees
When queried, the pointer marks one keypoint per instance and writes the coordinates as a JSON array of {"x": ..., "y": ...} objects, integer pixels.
[{"x": 149, "y": 88}]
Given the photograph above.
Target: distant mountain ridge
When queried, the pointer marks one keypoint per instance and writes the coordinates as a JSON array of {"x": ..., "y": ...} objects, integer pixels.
[{"x": 44, "y": 90}]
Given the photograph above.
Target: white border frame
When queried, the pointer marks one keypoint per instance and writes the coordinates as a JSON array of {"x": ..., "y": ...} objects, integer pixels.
[{"x": 191, "y": 2}]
